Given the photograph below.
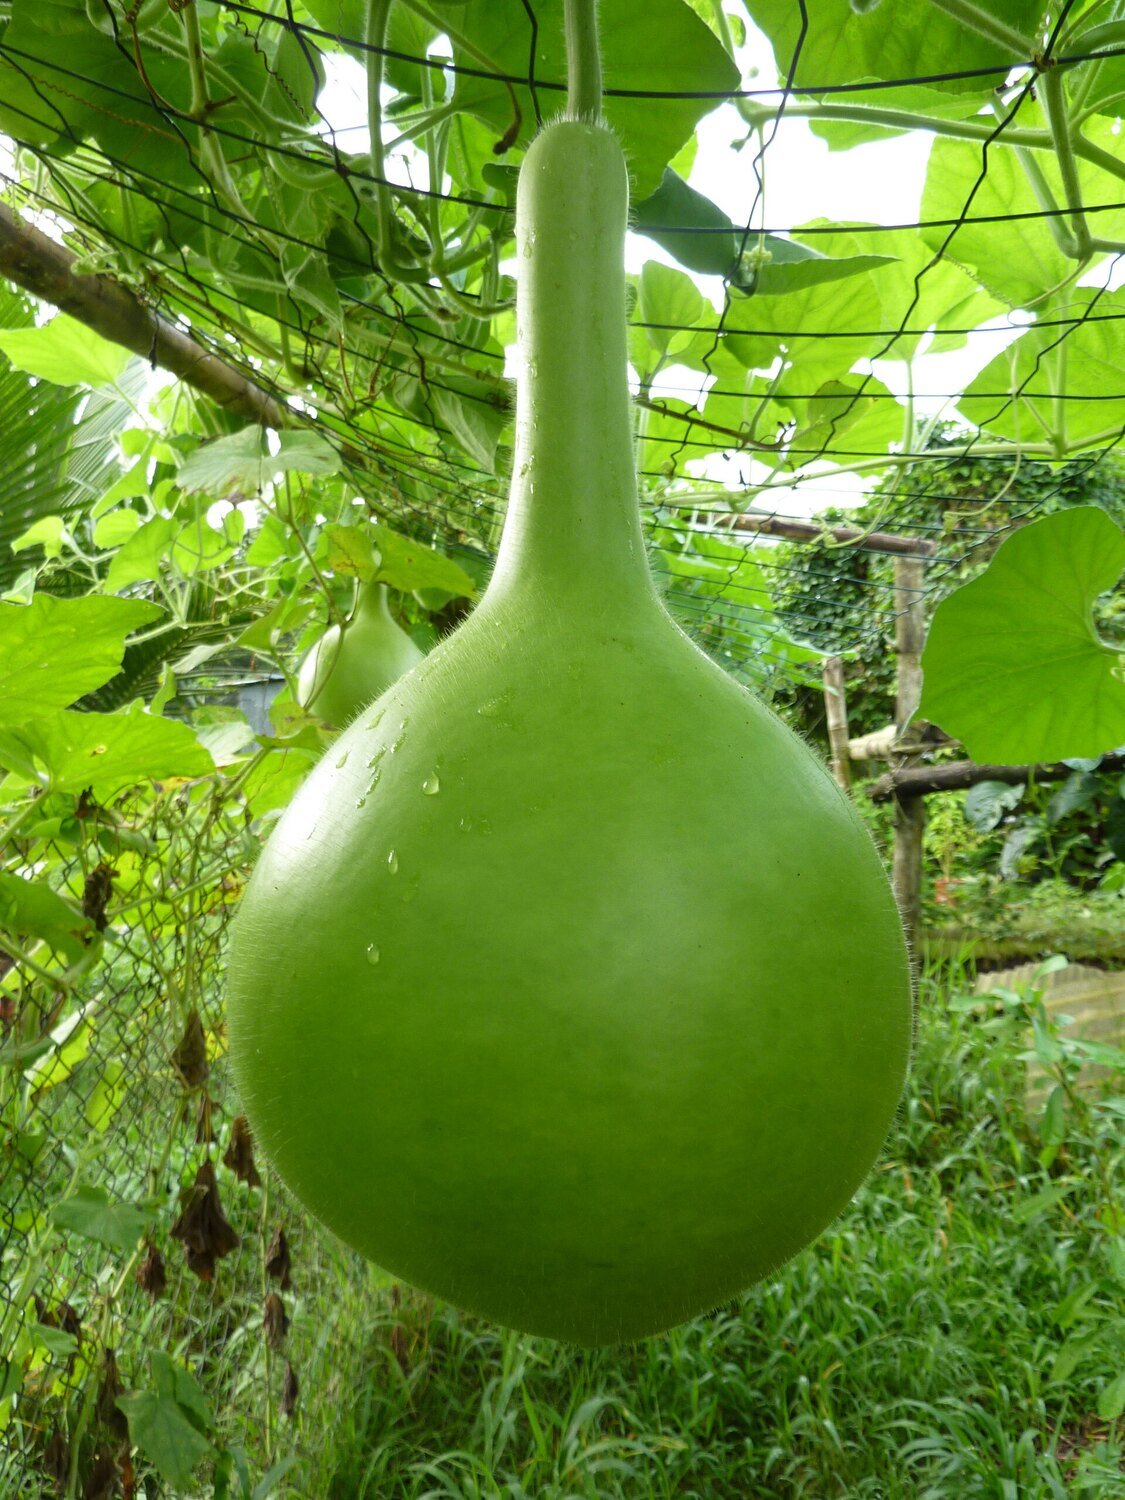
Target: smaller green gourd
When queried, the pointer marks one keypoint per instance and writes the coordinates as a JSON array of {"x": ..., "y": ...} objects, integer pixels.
[{"x": 355, "y": 662}]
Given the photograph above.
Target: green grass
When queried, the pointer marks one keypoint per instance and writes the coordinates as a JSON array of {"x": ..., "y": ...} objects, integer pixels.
[{"x": 909, "y": 1353}]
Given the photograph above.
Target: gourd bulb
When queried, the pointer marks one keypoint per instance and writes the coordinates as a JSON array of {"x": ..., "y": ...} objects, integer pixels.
[
  {"x": 351, "y": 665},
  {"x": 641, "y": 1012}
]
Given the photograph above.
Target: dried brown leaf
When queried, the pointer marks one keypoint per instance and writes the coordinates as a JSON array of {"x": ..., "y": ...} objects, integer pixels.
[
  {"x": 96, "y": 893},
  {"x": 239, "y": 1155},
  {"x": 202, "y": 1226},
  {"x": 151, "y": 1277},
  {"x": 275, "y": 1320},
  {"x": 190, "y": 1055},
  {"x": 289, "y": 1391},
  {"x": 103, "y": 1478},
  {"x": 278, "y": 1264},
  {"x": 106, "y": 1409}
]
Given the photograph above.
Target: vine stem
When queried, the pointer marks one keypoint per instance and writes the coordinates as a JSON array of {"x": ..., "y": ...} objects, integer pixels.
[
  {"x": 974, "y": 18},
  {"x": 897, "y": 119},
  {"x": 375, "y": 40},
  {"x": 583, "y": 62},
  {"x": 1054, "y": 101}
]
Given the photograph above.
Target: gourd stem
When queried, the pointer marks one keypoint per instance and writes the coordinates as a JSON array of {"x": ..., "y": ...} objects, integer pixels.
[{"x": 583, "y": 61}]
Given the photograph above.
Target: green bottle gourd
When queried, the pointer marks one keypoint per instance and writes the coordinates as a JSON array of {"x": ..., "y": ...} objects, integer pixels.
[
  {"x": 354, "y": 663},
  {"x": 572, "y": 990}
]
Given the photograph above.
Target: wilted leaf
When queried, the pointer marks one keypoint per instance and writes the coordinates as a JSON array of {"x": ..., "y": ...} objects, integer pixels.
[
  {"x": 190, "y": 1054},
  {"x": 202, "y": 1227},
  {"x": 289, "y": 1391},
  {"x": 278, "y": 1265},
  {"x": 239, "y": 1155},
  {"x": 275, "y": 1321},
  {"x": 106, "y": 1409},
  {"x": 96, "y": 892},
  {"x": 151, "y": 1276}
]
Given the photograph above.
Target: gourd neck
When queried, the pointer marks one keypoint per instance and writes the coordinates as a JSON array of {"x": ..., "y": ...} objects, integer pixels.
[
  {"x": 371, "y": 603},
  {"x": 573, "y": 522}
]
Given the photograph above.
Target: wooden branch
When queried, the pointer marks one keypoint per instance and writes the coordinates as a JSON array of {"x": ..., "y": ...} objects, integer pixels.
[
  {"x": 35, "y": 262},
  {"x": 956, "y": 775},
  {"x": 809, "y": 531}
]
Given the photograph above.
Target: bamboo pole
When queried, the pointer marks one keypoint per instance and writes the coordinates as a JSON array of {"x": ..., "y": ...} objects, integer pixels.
[
  {"x": 910, "y": 812},
  {"x": 836, "y": 713}
]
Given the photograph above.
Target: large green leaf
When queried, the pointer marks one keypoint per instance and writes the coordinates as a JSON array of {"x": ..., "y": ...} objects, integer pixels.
[
  {"x": 1013, "y": 667},
  {"x": 821, "y": 330},
  {"x": 243, "y": 462},
  {"x": 774, "y": 266},
  {"x": 70, "y": 751},
  {"x": 31, "y": 908},
  {"x": 647, "y": 45},
  {"x": 91, "y": 1213},
  {"x": 62, "y": 80},
  {"x": 1018, "y": 260},
  {"x": 688, "y": 225},
  {"x": 406, "y": 565},
  {"x": 166, "y": 1435},
  {"x": 52, "y": 651},
  {"x": 1066, "y": 384},
  {"x": 65, "y": 352},
  {"x": 845, "y": 43},
  {"x": 670, "y": 308},
  {"x": 915, "y": 292}
]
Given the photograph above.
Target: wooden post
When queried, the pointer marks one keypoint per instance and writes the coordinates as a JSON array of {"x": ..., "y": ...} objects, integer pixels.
[
  {"x": 836, "y": 713},
  {"x": 910, "y": 812}
]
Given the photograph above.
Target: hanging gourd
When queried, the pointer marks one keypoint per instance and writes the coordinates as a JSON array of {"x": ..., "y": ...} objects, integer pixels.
[
  {"x": 571, "y": 989},
  {"x": 355, "y": 662}
]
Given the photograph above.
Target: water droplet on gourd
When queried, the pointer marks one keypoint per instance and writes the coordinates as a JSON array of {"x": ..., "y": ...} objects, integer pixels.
[
  {"x": 372, "y": 953},
  {"x": 466, "y": 825},
  {"x": 410, "y": 890},
  {"x": 342, "y": 762},
  {"x": 431, "y": 786},
  {"x": 376, "y": 758},
  {"x": 392, "y": 862},
  {"x": 377, "y": 720},
  {"x": 361, "y": 801}
]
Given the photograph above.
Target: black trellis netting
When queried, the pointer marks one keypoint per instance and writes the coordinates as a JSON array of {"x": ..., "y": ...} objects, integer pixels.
[{"x": 133, "y": 1217}]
